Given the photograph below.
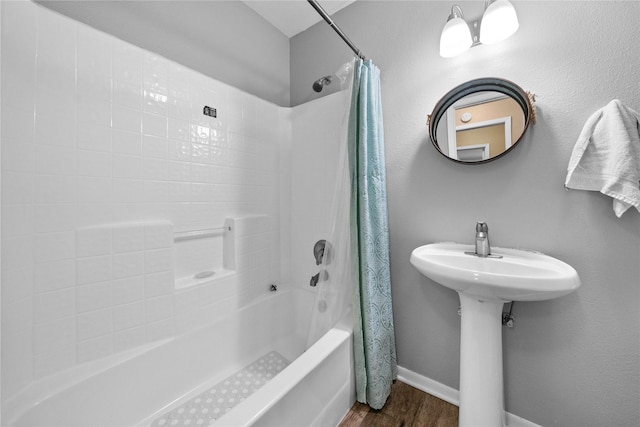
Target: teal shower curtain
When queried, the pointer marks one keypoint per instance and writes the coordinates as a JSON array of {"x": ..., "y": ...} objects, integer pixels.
[{"x": 374, "y": 338}]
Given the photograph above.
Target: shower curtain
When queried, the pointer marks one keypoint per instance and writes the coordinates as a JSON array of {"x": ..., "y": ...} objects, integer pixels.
[
  {"x": 333, "y": 297},
  {"x": 374, "y": 337},
  {"x": 357, "y": 250}
]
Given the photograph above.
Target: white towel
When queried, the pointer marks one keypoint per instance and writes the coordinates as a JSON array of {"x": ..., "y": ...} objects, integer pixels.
[{"x": 606, "y": 157}]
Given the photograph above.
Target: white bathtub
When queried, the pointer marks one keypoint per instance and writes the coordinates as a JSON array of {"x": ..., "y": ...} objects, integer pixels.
[{"x": 315, "y": 389}]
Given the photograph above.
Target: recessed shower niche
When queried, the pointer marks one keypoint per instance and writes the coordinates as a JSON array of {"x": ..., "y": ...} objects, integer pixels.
[{"x": 204, "y": 255}]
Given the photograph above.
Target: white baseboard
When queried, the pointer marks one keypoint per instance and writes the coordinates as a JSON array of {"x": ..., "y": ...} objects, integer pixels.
[
  {"x": 430, "y": 386},
  {"x": 449, "y": 394}
]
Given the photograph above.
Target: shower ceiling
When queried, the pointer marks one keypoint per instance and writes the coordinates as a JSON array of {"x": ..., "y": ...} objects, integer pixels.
[{"x": 293, "y": 16}]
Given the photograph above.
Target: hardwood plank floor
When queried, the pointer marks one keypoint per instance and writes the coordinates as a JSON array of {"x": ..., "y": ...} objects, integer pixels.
[{"x": 406, "y": 407}]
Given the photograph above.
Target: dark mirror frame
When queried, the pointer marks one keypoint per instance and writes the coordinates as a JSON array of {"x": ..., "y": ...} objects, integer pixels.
[{"x": 486, "y": 84}]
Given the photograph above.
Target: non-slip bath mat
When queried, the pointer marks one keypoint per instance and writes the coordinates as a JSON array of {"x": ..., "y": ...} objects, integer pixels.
[{"x": 207, "y": 407}]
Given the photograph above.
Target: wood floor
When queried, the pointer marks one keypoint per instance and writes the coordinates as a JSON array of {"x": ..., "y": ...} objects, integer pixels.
[{"x": 406, "y": 407}]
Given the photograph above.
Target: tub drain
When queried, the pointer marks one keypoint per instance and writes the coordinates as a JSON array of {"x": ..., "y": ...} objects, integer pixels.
[{"x": 204, "y": 274}]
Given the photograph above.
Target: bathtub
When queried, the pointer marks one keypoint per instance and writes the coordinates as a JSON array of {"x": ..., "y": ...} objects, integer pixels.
[{"x": 134, "y": 389}]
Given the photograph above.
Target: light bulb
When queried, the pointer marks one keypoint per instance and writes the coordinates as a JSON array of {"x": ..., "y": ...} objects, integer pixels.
[
  {"x": 499, "y": 22},
  {"x": 455, "y": 37}
]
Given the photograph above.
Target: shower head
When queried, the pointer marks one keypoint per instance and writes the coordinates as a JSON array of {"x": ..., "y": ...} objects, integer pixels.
[{"x": 319, "y": 84}]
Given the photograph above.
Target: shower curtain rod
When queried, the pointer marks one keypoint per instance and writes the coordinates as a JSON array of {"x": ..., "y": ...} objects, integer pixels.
[{"x": 337, "y": 29}]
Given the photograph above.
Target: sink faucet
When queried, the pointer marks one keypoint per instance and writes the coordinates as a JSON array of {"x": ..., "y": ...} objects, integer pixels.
[{"x": 483, "y": 248}]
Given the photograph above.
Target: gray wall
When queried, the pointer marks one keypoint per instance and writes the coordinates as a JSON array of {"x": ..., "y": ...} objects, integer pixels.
[
  {"x": 240, "y": 48},
  {"x": 573, "y": 361}
]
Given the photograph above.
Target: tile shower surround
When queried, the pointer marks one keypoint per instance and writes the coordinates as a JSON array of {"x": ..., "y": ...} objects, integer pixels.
[{"x": 98, "y": 132}]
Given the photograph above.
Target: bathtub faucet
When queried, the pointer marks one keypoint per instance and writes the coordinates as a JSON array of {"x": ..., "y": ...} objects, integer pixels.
[
  {"x": 321, "y": 275},
  {"x": 314, "y": 280}
]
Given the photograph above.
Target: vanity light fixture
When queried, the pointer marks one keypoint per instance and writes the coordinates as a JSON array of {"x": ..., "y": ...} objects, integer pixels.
[
  {"x": 499, "y": 22},
  {"x": 456, "y": 36}
]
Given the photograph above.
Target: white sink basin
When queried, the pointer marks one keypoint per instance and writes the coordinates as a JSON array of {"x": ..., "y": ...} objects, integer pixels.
[
  {"x": 484, "y": 285},
  {"x": 518, "y": 276}
]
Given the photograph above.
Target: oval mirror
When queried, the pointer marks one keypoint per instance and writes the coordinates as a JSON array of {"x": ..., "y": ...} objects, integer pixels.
[{"x": 480, "y": 120}]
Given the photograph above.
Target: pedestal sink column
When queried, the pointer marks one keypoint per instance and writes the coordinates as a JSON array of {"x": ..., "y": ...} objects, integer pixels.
[{"x": 481, "y": 385}]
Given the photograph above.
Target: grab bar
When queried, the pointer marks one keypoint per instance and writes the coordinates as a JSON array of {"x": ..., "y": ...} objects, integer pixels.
[{"x": 199, "y": 234}]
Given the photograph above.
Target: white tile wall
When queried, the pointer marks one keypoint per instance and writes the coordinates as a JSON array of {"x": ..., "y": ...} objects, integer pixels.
[{"x": 99, "y": 138}]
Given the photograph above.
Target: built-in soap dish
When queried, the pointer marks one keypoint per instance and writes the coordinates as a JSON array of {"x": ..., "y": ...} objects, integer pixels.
[
  {"x": 204, "y": 256},
  {"x": 203, "y": 275}
]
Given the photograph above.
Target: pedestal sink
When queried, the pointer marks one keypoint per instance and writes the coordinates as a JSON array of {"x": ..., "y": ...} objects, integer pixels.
[{"x": 484, "y": 285}]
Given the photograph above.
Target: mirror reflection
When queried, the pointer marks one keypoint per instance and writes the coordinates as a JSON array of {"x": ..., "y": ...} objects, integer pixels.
[{"x": 478, "y": 126}]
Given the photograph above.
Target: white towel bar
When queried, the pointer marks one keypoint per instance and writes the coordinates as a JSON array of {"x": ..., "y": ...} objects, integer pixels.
[{"x": 199, "y": 234}]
